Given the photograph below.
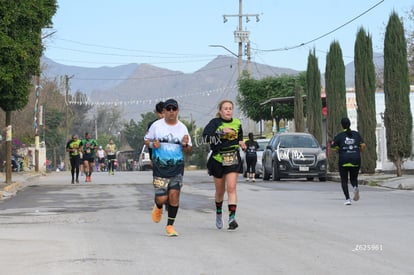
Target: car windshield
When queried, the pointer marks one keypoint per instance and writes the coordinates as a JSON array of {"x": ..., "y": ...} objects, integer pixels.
[
  {"x": 297, "y": 141},
  {"x": 262, "y": 144}
]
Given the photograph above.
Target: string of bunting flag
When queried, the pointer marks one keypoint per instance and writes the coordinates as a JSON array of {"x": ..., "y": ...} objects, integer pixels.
[{"x": 85, "y": 100}]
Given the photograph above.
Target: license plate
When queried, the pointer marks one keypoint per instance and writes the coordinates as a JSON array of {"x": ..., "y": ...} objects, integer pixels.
[{"x": 303, "y": 168}]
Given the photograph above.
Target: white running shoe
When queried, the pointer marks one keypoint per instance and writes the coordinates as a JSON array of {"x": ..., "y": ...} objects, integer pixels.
[
  {"x": 219, "y": 221},
  {"x": 356, "y": 193},
  {"x": 348, "y": 202}
]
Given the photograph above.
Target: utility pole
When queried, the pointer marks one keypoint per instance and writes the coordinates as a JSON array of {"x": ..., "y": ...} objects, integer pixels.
[
  {"x": 36, "y": 122},
  {"x": 249, "y": 59},
  {"x": 241, "y": 36},
  {"x": 67, "y": 78},
  {"x": 96, "y": 129},
  {"x": 37, "y": 117}
]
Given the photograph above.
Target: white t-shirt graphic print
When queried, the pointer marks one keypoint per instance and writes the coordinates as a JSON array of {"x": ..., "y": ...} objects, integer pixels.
[{"x": 168, "y": 160}]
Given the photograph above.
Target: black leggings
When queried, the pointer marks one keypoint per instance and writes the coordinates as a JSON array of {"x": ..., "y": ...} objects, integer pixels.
[
  {"x": 74, "y": 166},
  {"x": 111, "y": 164},
  {"x": 251, "y": 165},
  {"x": 353, "y": 177}
]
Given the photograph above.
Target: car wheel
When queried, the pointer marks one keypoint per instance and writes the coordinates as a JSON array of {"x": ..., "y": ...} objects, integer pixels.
[
  {"x": 322, "y": 179},
  {"x": 275, "y": 172},
  {"x": 309, "y": 178},
  {"x": 266, "y": 175}
]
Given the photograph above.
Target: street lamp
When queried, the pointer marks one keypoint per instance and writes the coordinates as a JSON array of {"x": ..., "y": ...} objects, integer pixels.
[
  {"x": 221, "y": 46},
  {"x": 239, "y": 57}
]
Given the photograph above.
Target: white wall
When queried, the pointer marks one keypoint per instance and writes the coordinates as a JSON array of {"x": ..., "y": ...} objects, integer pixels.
[
  {"x": 28, "y": 153},
  {"x": 383, "y": 164}
]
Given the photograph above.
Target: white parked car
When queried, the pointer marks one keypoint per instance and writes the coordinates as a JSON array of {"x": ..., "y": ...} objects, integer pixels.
[
  {"x": 144, "y": 161},
  {"x": 259, "y": 167}
]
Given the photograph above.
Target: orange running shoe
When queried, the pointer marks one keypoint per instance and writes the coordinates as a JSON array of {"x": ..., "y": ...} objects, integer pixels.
[
  {"x": 171, "y": 231},
  {"x": 156, "y": 214}
]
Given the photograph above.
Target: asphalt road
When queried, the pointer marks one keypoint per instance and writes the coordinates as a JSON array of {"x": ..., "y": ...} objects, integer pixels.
[{"x": 286, "y": 227}]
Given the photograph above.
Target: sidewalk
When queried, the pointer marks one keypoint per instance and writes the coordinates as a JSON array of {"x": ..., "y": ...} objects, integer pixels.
[
  {"x": 386, "y": 180},
  {"x": 18, "y": 182}
]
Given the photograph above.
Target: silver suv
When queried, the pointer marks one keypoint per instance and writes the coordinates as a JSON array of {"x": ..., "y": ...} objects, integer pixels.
[{"x": 294, "y": 155}]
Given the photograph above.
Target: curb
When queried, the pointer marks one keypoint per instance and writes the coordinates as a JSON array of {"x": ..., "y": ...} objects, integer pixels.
[
  {"x": 11, "y": 189},
  {"x": 360, "y": 181},
  {"x": 385, "y": 181}
]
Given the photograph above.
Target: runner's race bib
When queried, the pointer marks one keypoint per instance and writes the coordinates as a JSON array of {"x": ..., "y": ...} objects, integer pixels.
[
  {"x": 229, "y": 159},
  {"x": 160, "y": 182}
]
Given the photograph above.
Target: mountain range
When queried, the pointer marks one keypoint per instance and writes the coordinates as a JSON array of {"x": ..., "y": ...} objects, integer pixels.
[{"x": 136, "y": 88}]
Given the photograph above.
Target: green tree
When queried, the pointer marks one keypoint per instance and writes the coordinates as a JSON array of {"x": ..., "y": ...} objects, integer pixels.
[
  {"x": 79, "y": 117},
  {"x": 54, "y": 132},
  {"x": 20, "y": 50},
  {"x": 410, "y": 40},
  {"x": 313, "y": 99},
  {"x": 298, "y": 107},
  {"x": 54, "y": 128},
  {"x": 191, "y": 126},
  {"x": 109, "y": 120},
  {"x": 397, "y": 115},
  {"x": 53, "y": 103},
  {"x": 335, "y": 95},
  {"x": 200, "y": 149},
  {"x": 135, "y": 131},
  {"x": 254, "y": 92},
  {"x": 365, "y": 98}
]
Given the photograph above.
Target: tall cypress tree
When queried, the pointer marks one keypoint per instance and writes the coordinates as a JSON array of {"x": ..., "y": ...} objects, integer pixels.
[
  {"x": 298, "y": 109},
  {"x": 335, "y": 96},
  {"x": 397, "y": 115},
  {"x": 365, "y": 98},
  {"x": 313, "y": 99},
  {"x": 410, "y": 45}
]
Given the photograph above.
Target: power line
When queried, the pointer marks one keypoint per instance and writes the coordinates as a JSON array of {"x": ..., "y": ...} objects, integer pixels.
[
  {"x": 123, "y": 63},
  {"x": 127, "y": 50},
  {"x": 85, "y": 100},
  {"x": 324, "y": 35},
  {"x": 173, "y": 74},
  {"x": 144, "y": 56},
  {"x": 129, "y": 55}
]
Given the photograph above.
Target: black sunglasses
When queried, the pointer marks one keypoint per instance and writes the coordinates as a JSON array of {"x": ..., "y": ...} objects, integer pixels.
[{"x": 169, "y": 108}]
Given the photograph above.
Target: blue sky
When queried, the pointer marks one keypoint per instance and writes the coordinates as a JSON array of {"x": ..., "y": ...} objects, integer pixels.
[{"x": 176, "y": 34}]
